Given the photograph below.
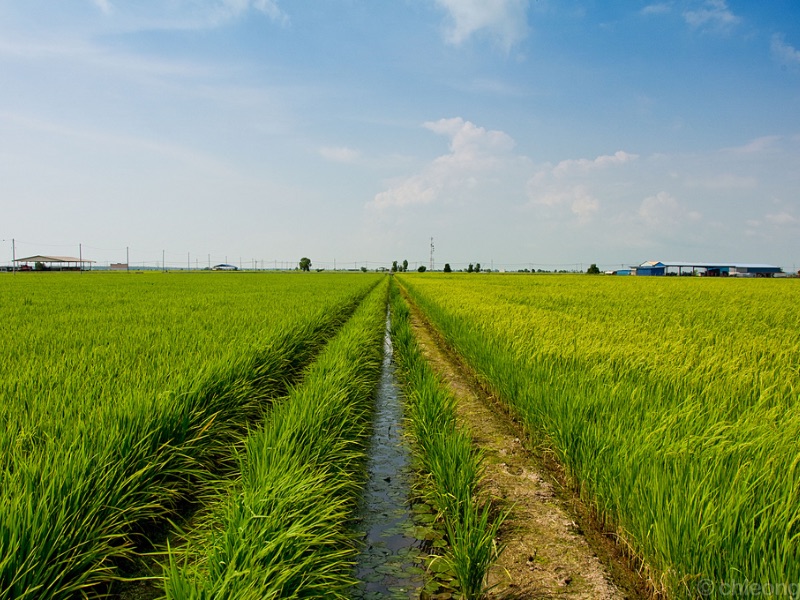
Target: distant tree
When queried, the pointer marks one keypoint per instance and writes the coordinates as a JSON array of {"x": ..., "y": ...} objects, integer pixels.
[
  {"x": 470, "y": 268},
  {"x": 422, "y": 268},
  {"x": 305, "y": 264},
  {"x": 363, "y": 269},
  {"x": 478, "y": 268},
  {"x": 593, "y": 270},
  {"x": 405, "y": 266},
  {"x": 394, "y": 266},
  {"x": 447, "y": 268}
]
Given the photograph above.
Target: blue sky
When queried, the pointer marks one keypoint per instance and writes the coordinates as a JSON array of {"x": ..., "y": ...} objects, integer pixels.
[{"x": 516, "y": 133}]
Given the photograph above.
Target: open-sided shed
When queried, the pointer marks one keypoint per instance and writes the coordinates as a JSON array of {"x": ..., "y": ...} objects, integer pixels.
[{"x": 56, "y": 263}]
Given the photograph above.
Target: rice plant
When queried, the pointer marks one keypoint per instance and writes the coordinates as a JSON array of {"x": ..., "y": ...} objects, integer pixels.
[
  {"x": 282, "y": 530},
  {"x": 121, "y": 392},
  {"x": 670, "y": 402}
]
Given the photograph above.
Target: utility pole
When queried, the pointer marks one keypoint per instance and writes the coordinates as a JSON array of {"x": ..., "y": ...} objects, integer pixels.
[
  {"x": 431, "y": 265},
  {"x": 80, "y": 258},
  {"x": 127, "y": 258},
  {"x": 164, "y": 260},
  {"x": 13, "y": 255}
]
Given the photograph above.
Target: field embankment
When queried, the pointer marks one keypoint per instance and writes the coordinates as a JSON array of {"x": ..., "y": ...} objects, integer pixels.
[
  {"x": 670, "y": 403},
  {"x": 450, "y": 468}
]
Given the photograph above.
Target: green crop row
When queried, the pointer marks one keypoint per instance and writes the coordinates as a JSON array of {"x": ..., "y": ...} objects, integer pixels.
[
  {"x": 282, "y": 530},
  {"x": 452, "y": 464},
  {"x": 672, "y": 404},
  {"x": 121, "y": 391}
]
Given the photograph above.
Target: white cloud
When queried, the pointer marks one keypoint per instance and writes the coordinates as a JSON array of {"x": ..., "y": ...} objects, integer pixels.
[
  {"x": 341, "y": 154},
  {"x": 773, "y": 223},
  {"x": 757, "y": 145},
  {"x": 475, "y": 154},
  {"x": 783, "y": 52},
  {"x": 782, "y": 219},
  {"x": 577, "y": 185},
  {"x": 419, "y": 189},
  {"x": 468, "y": 142},
  {"x": 583, "y": 165},
  {"x": 185, "y": 14},
  {"x": 663, "y": 211},
  {"x": 584, "y": 205},
  {"x": 656, "y": 9},
  {"x": 724, "y": 181},
  {"x": 272, "y": 10},
  {"x": 103, "y": 5},
  {"x": 713, "y": 14},
  {"x": 219, "y": 11},
  {"x": 504, "y": 20}
]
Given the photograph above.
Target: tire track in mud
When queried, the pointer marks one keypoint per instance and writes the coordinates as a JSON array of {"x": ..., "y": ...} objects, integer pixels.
[{"x": 552, "y": 546}]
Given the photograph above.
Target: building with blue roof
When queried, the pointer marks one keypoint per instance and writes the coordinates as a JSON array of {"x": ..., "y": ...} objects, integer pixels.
[{"x": 707, "y": 269}]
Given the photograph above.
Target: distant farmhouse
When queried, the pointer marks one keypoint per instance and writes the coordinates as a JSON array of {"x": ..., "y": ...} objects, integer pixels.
[
  {"x": 224, "y": 267},
  {"x": 705, "y": 269}
]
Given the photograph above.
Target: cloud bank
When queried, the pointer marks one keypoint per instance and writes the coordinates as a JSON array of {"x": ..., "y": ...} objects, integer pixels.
[{"x": 620, "y": 203}]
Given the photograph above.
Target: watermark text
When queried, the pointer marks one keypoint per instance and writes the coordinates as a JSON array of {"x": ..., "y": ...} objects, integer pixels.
[{"x": 736, "y": 589}]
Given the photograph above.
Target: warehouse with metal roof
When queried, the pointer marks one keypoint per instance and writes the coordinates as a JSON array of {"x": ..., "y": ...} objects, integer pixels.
[{"x": 706, "y": 269}]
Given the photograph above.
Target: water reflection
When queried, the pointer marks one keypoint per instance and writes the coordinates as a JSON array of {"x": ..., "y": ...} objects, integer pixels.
[{"x": 388, "y": 566}]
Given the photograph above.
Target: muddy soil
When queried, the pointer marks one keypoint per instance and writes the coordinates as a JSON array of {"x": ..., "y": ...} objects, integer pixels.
[{"x": 553, "y": 548}]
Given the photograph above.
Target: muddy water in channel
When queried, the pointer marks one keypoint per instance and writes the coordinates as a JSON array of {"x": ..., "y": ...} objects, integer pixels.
[{"x": 388, "y": 566}]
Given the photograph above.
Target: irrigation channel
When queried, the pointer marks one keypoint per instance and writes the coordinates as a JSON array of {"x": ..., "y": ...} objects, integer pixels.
[{"x": 389, "y": 564}]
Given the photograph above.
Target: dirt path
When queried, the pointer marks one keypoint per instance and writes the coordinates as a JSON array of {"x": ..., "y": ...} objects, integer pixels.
[{"x": 552, "y": 549}]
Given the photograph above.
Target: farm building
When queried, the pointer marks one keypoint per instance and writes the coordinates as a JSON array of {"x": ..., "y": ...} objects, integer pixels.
[
  {"x": 53, "y": 263},
  {"x": 706, "y": 269}
]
